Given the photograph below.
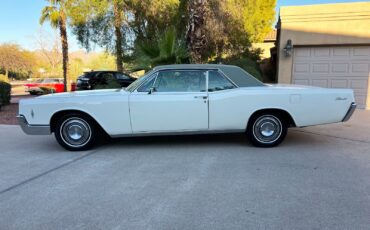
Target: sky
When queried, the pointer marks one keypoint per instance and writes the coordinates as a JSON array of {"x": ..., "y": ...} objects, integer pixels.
[{"x": 19, "y": 20}]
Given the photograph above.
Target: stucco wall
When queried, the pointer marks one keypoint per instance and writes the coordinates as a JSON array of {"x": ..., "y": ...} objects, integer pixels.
[{"x": 325, "y": 24}]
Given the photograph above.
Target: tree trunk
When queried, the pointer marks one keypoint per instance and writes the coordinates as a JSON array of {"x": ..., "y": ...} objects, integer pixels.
[
  {"x": 196, "y": 35},
  {"x": 117, "y": 8},
  {"x": 7, "y": 75},
  {"x": 64, "y": 40}
]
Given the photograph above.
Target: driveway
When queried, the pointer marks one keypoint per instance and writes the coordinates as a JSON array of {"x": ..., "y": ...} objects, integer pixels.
[{"x": 319, "y": 178}]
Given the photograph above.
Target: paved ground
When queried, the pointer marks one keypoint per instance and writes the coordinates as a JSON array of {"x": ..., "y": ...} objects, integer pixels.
[{"x": 319, "y": 178}]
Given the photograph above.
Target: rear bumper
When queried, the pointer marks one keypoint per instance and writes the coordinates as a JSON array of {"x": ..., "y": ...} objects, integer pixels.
[
  {"x": 350, "y": 112},
  {"x": 33, "y": 129}
]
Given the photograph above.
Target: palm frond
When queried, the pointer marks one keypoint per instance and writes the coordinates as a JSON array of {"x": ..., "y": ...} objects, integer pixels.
[
  {"x": 167, "y": 50},
  {"x": 51, "y": 14}
]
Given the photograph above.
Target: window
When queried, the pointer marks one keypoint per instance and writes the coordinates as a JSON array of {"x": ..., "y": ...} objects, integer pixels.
[
  {"x": 121, "y": 76},
  {"x": 105, "y": 80},
  {"x": 138, "y": 82},
  {"x": 181, "y": 81},
  {"x": 147, "y": 85},
  {"x": 217, "y": 82}
]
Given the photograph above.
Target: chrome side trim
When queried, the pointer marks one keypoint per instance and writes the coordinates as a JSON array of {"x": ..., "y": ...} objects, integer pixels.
[
  {"x": 179, "y": 133},
  {"x": 33, "y": 129},
  {"x": 350, "y": 112}
]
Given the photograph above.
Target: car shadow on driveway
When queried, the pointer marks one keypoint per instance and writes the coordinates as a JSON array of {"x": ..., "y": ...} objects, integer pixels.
[{"x": 236, "y": 139}]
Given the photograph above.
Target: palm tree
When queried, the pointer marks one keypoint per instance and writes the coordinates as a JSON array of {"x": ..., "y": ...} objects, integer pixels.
[
  {"x": 168, "y": 49},
  {"x": 55, "y": 13},
  {"x": 196, "y": 35},
  {"x": 117, "y": 11}
]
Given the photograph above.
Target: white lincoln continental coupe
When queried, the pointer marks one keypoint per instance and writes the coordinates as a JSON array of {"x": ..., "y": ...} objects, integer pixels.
[{"x": 185, "y": 99}]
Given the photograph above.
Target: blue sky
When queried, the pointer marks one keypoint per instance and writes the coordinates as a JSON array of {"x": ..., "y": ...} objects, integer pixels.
[{"x": 19, "y": 20}]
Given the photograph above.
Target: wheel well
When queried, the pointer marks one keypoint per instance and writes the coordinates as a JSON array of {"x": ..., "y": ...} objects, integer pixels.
[
  {"x": 54, "y": 119},
  {"x": 279, "y": 112}
]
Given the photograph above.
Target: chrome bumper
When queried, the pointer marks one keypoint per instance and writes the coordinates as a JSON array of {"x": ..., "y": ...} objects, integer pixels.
[
  {"x": 350, "y": 112},
  {"x": 33, "y": 129}
]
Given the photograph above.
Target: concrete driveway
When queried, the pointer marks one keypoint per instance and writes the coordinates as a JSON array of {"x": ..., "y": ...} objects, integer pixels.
[{"x": 319, "y": 178}]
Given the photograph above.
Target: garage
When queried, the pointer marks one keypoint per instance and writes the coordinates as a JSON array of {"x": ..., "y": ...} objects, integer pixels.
[
  {"x": 326, "y": 45},
  {"x": 334, "y": 67}
]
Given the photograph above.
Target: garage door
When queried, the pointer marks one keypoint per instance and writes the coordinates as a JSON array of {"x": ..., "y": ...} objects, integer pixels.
[{"x": 334, "y": 67}]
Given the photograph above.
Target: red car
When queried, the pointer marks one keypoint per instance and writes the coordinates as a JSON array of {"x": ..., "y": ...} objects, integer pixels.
[{"x": 47, "y": 85}]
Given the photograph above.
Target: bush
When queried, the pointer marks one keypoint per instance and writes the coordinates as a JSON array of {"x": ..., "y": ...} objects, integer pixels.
[
  {"x": 248, "y": 60},
  {"x": 246, "y": 63},
  {"x": 5, "y": 89}
]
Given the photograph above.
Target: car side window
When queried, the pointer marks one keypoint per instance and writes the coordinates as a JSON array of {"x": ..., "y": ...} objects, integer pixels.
[
  {"x": 147, "y": 85},
  {"x": 105, "y": 77},
  {"x": 217, "y": 82},
  {"x": 180, "y": 81},
  {"x": 121, "y": 76},
  {"x": 104, "y": 80}
]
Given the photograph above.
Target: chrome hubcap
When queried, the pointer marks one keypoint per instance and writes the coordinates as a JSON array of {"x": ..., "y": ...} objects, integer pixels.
[
  {"x": 267, "y": 129},
  {"x": 75, "y": 132}
]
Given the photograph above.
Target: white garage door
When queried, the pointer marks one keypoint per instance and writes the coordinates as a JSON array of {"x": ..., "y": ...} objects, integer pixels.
[{"x": 334, "y": 67}]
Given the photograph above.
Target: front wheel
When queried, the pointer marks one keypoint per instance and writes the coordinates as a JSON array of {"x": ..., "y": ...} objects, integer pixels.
[
  {"x": 267, "y": 130},
  {"x": 75, "y": 132}
]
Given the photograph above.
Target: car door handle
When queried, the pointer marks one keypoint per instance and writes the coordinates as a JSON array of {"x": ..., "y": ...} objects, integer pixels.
[{"x": 201, "y": 97}]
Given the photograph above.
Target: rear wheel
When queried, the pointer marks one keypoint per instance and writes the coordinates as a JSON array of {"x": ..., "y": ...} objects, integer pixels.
[
  {"x": 75, "y": 132},
  {"x": 267, "y": 130}
]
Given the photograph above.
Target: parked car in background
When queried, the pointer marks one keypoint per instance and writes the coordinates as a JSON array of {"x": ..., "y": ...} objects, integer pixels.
[
  {"x": 44, "y": 86},
  {"x": 185, "y": 99},
  {"x": 103, "y": 80}
]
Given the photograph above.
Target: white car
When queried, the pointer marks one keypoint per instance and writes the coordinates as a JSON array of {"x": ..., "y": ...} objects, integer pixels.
[{"x": 185, "y": 99}]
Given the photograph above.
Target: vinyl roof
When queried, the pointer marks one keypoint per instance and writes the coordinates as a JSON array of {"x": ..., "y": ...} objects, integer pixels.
[{"x": 240, "y": 77}]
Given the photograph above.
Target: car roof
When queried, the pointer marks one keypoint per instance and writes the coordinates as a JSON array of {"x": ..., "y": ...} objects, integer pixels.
[
  {"x": 236, "y": 74},
  {"x": 103, "y": 71},
  {"x": 190, "y": 66}
]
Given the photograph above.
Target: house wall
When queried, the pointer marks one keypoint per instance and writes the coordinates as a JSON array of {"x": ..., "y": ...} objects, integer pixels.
[
  {"x": 326, "y": 24},
  {"x": 265, "y": 47},
  {"x": 321, "y": 25}
]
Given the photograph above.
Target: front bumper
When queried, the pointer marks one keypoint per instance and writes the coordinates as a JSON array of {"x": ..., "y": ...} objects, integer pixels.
[
  {"x": 350, "y": 112},
  {"x": 33, "y": 129}
]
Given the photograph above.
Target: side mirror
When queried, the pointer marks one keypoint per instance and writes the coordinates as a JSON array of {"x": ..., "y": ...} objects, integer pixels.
[{"x": 151, "y": 90}]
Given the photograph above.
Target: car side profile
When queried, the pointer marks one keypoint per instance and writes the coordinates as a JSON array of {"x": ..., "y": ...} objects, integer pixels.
[
  {"x": 185, "y": 99},
  {"x": 54, "y": 84}
]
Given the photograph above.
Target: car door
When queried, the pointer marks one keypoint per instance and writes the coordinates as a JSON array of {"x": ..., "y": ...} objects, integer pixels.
[
  {"x": 225, "y": 105},
  {"x": 171, "y": 101}
]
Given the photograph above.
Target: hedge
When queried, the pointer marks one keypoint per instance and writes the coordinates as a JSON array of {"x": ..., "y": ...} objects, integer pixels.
[{"x": 5, "y": 89}]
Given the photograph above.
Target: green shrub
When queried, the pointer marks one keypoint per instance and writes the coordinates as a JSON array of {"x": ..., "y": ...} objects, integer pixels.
[
  {"x": 246, "y": 63},
  {"x": 248, "y": 60},
  {"x": 5, "y": 89}
]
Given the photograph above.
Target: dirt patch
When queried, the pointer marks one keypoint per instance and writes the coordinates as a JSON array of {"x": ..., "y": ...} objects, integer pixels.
[{"x": 8, "y": 114}]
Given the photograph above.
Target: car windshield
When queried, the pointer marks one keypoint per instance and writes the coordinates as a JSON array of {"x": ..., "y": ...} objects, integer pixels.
[{"x": 138, "y": 82}]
